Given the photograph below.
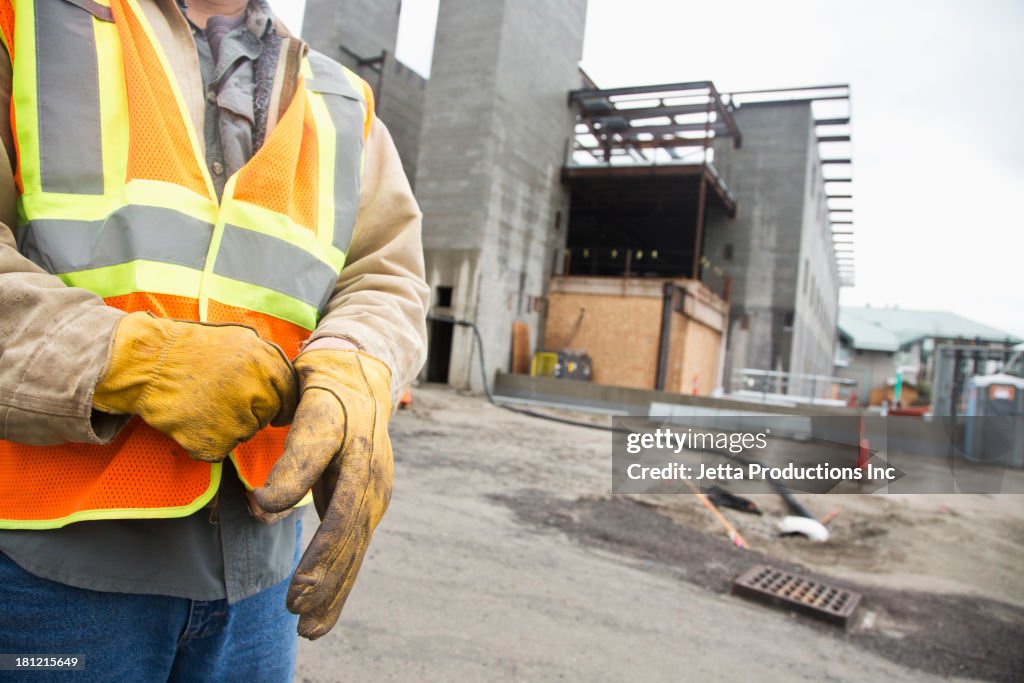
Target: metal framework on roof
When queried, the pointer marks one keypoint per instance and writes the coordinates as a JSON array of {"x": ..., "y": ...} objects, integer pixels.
[
  {"x": 658, "y": 131},
  {"x": 667, "y": 126},
  {"x": 669, "y": 130},
  {"x": 833, "y": 131}
]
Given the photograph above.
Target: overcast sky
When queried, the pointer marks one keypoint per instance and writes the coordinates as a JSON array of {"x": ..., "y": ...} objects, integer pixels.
[{"x": 938, "y": 120}]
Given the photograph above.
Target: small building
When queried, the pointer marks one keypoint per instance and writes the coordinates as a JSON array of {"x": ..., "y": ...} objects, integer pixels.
[{"x": 877, "y": 345}]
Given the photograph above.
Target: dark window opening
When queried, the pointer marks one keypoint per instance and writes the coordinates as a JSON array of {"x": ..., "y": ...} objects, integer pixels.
[
  {"x": 642, "y": 227},
  {"x": 444, "y": 297},
  {"x": 440, "y": 347}
]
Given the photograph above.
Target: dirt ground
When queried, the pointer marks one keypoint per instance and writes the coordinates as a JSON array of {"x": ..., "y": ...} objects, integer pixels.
[{"x": 505, "y": 557}]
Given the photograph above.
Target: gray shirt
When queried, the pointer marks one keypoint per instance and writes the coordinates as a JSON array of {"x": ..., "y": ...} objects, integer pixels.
[{"x": 221, "y": 551}]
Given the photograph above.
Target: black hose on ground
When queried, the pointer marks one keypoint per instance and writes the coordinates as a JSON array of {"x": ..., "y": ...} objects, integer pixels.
[{"x": 787, "y": 496}]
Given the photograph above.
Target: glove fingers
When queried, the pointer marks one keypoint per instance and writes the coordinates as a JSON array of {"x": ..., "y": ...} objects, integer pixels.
[
  {"x": 322, "y": 617},
  {"x": 316, "y": 435},
  {"x": 344, "y": 532}
]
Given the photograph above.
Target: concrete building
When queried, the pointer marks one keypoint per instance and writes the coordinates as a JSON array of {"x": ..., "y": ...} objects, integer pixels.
[{"x": 779, "y": 250}]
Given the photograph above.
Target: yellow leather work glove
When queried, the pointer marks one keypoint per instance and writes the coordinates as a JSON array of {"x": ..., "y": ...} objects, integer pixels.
[
  {"x": 338, "y": 446},
  {"x": 208, "y": 387}
]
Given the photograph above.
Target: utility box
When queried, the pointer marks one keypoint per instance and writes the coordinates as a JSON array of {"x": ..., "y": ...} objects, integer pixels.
[{"x": 994, "y": 430}]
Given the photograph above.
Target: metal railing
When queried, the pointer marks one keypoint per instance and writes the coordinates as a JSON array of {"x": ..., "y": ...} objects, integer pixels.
[{"x": 791, "y": 386}]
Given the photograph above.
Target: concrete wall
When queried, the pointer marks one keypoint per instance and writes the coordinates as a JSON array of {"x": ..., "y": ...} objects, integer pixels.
[
  {"x": 366, "y": 27},
  {"x": 401, "y": 93},
  {"x": 779, "y": 238},
  {"x": 617, "y": 321},
  {"x": 494, "y": 131}
]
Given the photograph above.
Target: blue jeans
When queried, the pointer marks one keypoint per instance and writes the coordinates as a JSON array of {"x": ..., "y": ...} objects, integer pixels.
[{"x": 128, "y": 638}]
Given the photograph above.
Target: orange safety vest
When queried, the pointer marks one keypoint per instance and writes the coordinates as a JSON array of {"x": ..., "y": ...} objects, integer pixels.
[{"x": 115, "y": 197}]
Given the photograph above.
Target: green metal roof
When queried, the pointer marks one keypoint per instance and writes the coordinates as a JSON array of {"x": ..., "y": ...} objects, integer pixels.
[{"x": 889, "y": 329}]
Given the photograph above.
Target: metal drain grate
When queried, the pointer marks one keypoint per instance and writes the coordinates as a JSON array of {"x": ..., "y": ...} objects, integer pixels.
[{"x": 813, "y": 598}]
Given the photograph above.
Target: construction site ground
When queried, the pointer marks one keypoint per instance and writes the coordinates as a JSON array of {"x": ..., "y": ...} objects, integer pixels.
[{"x": 504, "y": 556}]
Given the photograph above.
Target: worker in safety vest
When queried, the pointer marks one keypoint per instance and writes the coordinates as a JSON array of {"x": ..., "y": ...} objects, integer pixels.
[{"x": 206, "y": 235}]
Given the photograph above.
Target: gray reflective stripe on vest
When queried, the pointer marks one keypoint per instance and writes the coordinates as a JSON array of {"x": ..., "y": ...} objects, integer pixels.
[
  {"x": 270, "y": 262},
  {"x": 129, "y": 234},
  {"x": 67, "y": 77},
  {"x": 343, "y": 104}
]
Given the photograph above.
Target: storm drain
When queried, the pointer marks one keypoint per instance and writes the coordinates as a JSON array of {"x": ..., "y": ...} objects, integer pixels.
[{"x": 783, "y": 589}]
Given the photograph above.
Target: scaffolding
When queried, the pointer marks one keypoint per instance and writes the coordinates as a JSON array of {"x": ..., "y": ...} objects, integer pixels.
[{"x": 645, "y": 139}]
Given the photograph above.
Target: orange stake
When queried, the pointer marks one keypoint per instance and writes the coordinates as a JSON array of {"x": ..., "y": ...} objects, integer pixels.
[{"x": 734, "y": 535}]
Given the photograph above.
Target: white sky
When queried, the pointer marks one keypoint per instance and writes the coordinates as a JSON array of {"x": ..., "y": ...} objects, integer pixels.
[{"x": 938, "y": 106}]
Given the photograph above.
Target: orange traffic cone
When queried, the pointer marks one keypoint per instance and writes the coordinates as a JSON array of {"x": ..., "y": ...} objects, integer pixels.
[
  {"x": 864, "y": 448},
  {"x": 406, "y": 399}
]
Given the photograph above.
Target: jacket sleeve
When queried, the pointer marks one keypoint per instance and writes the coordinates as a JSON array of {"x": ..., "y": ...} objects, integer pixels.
[
  {"x": 54, "y": 339},
  {"x": 380, "y": 301}
]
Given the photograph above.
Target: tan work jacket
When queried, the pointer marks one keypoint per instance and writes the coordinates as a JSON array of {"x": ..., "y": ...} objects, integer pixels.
[{"x": 54, "y": 339}]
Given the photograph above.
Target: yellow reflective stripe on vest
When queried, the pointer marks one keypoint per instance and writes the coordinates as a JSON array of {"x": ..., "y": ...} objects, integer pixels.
[
  {"x": 92, "y": 207},
  {"x": 337, "y": 106},
  {"x": 280, "y": 269},
  {"x": 138, "y": 276},
  {"x": 114, "y": 120},
  {"x": 256, "y": 258}
]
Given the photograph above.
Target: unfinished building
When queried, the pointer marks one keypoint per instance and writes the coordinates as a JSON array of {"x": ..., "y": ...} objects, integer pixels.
[{"x": 678, "y": 235}]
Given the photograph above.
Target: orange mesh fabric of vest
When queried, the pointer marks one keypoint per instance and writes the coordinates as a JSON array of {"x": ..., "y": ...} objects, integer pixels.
[
  {"x": 370, "y": 113},
  {"x": 7, "y": 26},
  {"x": 281, "y": 332},
  {"x": 159, "y": 147},
  {"x": 140, "y": 469},
  {"x": 160, "y": 305},
  {"x": 279, "y": 158}
]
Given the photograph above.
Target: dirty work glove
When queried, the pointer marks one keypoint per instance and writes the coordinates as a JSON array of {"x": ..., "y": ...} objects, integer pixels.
[
  {"x": 338, "y": 447},
  {"x": 208, "y": 387}
]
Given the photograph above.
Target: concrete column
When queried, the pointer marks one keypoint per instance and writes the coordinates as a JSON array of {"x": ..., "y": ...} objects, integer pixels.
[{"x": 495, "y": 125}]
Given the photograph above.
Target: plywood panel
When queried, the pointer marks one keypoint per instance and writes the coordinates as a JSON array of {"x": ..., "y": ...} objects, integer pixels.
[
  {"x": 619, "y": 333},
  {"x": 700, "y": 363},
  {"x": 618, "y": 322}
]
